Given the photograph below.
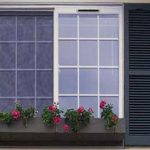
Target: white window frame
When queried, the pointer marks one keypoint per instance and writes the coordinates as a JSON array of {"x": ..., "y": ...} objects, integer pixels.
[{"x": 102, "y": 10}]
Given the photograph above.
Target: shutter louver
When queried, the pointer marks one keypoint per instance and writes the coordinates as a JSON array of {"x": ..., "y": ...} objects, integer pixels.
[{"x": 139, "y": 72}]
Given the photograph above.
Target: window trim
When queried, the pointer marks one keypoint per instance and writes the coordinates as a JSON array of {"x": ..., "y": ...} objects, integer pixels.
[{"x": 102, "y": 10}]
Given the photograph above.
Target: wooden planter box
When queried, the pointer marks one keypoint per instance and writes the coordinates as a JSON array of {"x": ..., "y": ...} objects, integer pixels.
[{"x": 37, "y": 133}]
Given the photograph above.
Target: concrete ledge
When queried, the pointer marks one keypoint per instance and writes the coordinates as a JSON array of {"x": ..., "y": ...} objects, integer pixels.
[{"x": 37, "y": 134}]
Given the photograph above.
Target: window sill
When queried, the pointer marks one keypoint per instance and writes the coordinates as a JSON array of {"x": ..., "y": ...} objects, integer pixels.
[{"x": 37, "y": 133}]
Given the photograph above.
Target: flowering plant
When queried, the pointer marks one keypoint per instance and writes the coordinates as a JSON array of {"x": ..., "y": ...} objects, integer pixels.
[
  {"x": 110, "y": 118},
  {"x": 51, "y": 115},
  {"x": 6, "y": 117},
  {"x": 76, "y": 119},
  {"x": 25, "y": 114}
]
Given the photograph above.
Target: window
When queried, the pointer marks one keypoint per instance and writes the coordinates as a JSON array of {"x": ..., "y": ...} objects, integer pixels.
[
  {"x": 26, "y": 59},
  {"x": 89, "y": 47}
]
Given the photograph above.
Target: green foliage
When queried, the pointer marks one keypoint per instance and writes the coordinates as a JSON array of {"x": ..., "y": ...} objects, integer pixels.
[
  {"x": 26, "y": 114},
  {"x": 76, "y": 120},
  {"x": 110, "y": 118},
  {"x": 6, "y": 117},
  {"x": 49, "y": 113}
]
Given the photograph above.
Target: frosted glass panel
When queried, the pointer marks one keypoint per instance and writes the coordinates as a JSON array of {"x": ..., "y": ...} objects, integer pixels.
[
  {"x": 26, "y": 56},
  {"x": 26, "y": 28},
  {"x": 88, "y": 81},
  {"x": 90, "y": 102},
  {"x": 7, "y": 105},
  {"x": 68, "y": 52},
  {"x": 68, "y": 26},
  {"x": 88, "y": 26},
  {"x": 67, "y": 81},
  {"x": 114, "y": 101},
  {"x": 25, "y": 83},
  {"x": 7, "y": 55},
  {"x": 109, "y": 81},
  {"x": 67, "y": 103},
  {"x": 108, "y": 26},
  {"x": 7, "y": 83},
  {"x": 109, "y": 53},
  {"x": 26, "y": 103},
  {"x": 88, "y": 53}
]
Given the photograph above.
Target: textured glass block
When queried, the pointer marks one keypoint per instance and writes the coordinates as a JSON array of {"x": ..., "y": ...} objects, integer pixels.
[
  {"x": 68, "y": 26},
  {"x": 109, "y": 81},
  {"x": 26, "y": 28},
  {"x": 112, "y": 100},
  {"x": 90, "y": 102},
  {"x": 7, "y": 105},
  {"x": 68, "y": 53},
  {"x": 44, "y": 26},
  {"x": 67, "y": 103},
  {"x": 44, "y": 55},
  {"x": 7, "y": 83},
  {"x": 25, "y": 83},
  {"x": 7, "y": 28},
  {"x": 88, "y": 81},
  {"x": 88, "y": 26},
  {"x": 7, "y": 55},
  {"x": 26, "y": 56},
  {"x": 88, "y": 51},
  {"x": 44, "y": 83},
  {"x": 41, "y": 104},
  {"x": 109, "y": 53},
  {"x": 67, "y": 81},
  {"x": 108, "y": 26},
  {"x": 26, "y": 102}
]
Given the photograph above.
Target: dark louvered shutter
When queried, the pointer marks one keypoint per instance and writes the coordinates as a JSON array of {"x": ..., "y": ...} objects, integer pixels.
[{"x": 137, "y": 74}]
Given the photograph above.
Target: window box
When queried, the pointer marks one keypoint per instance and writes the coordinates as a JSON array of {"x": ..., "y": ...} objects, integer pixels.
[{"x": 38, "y": 134}]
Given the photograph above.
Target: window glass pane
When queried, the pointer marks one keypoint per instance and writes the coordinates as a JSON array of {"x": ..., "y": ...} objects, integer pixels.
[
  {"x": 112, "y": 100},
  {"x": 90, "y": 102},
  {"x": 67, "y": 26},
  {"x": 88, "y": 81},
  {"x": 44, "y": 85},
  {"x": 25, "y": 83},
  {"x": 7, "y": 105},
  {"x": 7, "y": 83},
  {"x": 108, "y": 26},
  {"x": 7, "y": 55},
  {"x": 109, "y": 53},
  {"x": 68, "y": 52},
  {"x": 67, "y": 81},
  {"x": 7, "y": 28},
  {"x": 67, "y": 103},
  {"x": 88, "y": 26},
  {"x": 42, "y": 103},
  {"x": 26, "y": 103},
  {"x": 26, "y": 28},
  {"x": 44, "y": 55},
  {"x": 26, "y": 55},
  {"x": 44, "y": 28},
  {"x": 109, "y": 81},
  {"x": 88, "y": 53}
]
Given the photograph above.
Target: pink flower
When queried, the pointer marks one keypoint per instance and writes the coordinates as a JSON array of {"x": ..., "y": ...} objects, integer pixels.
[
  {"x": 102, "y": 104},
  {"x": 114, "y": 118},
  {"x": 66, "y": 128},
  {"x": 90, "y": 110},
  {"x": 52, "y": 108},
  {"x": 16, "y": 114},
  {"x": 80, "y": 109},
  {"x": 57, "y": 120}
]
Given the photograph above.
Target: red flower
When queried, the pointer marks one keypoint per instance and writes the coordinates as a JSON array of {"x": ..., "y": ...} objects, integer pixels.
[
  {"x": 52, "y": 108},
  {"x": 57, "y": 120},
  {"x": 16, "y": 114},
  {"x": 90, "y": 110},
  {"x": 114, "y": 118},
  {"x": 102, "y": 104},
  {"x": 80, "y": 109},
  {"x": 66, "y": 128}
]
